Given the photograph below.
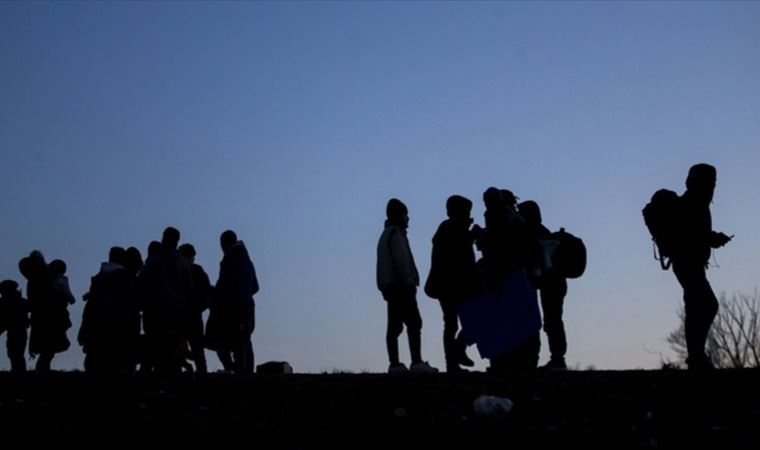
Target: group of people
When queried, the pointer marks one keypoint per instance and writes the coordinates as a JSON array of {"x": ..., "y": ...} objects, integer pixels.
[
  {"x": 511, "y": 241},
  {"x": 514, "y": 239},
  {"x": 149, "y": 315},
  {"x": 138, "y": 315}
]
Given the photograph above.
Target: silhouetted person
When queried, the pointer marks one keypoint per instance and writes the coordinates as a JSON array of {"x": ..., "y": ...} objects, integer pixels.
[
  {"x": 134, "y": 261},
  {"x": 453, "y": 276},
  {"x": 58, "y": 269},
  {"x": 49, "y": 313},
  {"x": 500, "y": 241},
  {"x": 232, "y": 318},
  {"x": 507, "y": 247},
  {"x": 166, "y": 287},
  {"x": 110, "y": 321},
  {"x": 154, "y": 248},
  {"x": 690, "y": 259},
  {"x": 199, "y": 302},
  {"x": 397, "y": 279},
  {"x": 14, "y": 318},
  {"x": 553, "y": 288}
]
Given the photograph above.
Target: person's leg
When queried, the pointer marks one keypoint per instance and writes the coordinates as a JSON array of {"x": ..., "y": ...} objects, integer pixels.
[
  {"x": 44, "y": 361},
  {"x": 16, "y": 345},
  {"x": 394, "y": 328},
  {"x": 413, "y": 322},
  {"x": 451, "y": 348},
  {"x": 195, "y": 339},
  {"x": 700, "y": 307},
  {"x": 708, "y": 306},
  {"x": 552, "y": 303},
  {"x": 225, "y": 357}
]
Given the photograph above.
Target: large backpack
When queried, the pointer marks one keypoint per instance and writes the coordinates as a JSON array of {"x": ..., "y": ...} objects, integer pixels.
[
  {"x": 661, "y": 216},
  {"x": 570, "y": 256}
]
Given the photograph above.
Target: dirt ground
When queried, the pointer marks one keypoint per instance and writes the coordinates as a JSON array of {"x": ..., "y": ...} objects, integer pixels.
[{"x": 571, "y": 409}]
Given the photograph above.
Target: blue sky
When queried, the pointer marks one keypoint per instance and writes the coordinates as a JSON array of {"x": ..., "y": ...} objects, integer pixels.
[{"x": 293, "y": 123}]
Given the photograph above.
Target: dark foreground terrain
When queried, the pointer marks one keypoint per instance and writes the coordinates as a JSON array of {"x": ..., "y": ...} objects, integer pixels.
[{"x": 589, "y": 409}]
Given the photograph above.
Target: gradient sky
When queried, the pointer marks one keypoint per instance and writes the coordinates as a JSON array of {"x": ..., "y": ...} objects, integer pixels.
[{"x": 293, "y": 123}]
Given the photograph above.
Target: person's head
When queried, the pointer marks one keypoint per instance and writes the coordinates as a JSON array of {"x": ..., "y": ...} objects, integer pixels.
[
  {"x": 57, "y": 268},
  {"x": 510, "y": 199},
  {"x": 8, "y": 288},
  {"x": 530, "y": 212},
  {"x": 154, "y": 248},
  {"x": 170, "y": 238},
  {"x": 33, "y": 266},
  {"x": 117, "y": 255},
  {"x": 396, "y": 213},
  {"x": 187, "y": 251},
  {"x": 701, "y": 181},
  {"x": 227, "y": 240},
  {"x": 134, "y": 259},
  {"x": 458, "y": 207},
  {"x": 25, "y": 267},
  {"x": 493, "y": 199}
]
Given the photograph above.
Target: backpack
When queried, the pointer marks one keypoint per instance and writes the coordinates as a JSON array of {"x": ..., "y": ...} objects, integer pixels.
[
  {"x": 570, "y": 256},
  {"x": 661, "y": 216}
]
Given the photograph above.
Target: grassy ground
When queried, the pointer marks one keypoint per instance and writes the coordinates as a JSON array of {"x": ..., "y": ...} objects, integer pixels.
[{"x": 588, "y": 409}]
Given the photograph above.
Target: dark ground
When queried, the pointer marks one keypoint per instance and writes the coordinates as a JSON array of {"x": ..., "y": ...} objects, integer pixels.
[{"x": 630, "y": 409}]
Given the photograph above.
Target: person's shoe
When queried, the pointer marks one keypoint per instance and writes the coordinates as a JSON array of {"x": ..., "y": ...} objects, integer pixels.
[
  {"x": 699, "y": 364},
  {"x": 554, "y": 364},
  {"x": 422, "y": 367},
  {"x": 456, "y": 369},
  {"x": 465, "y": 360},
  {"x": 397, "y": 368}
]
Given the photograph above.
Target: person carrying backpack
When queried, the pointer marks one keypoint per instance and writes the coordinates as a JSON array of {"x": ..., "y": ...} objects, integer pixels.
[
  {"x": 552, "y": 285},
  {"x": 690, "y": 257}
]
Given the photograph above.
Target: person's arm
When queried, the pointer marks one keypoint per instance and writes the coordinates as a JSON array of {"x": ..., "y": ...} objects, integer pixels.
[{"x": 718, "y": 240}]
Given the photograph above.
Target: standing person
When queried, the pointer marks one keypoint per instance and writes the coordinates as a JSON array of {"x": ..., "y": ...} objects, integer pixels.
[
  {"x": 690, "y": 259},
  {"x": 397, "y": 280},
  {"x": 553, "y": 288},
  {"x": 233, "y": 310},
  {"x": 61, "y": 281},
  {"x": 110, "y": 324},
  {"x": 49, "y": 314},
  {"x": 508, "y": 250},
  {"x": 166, "y": 287},
  {"x": 199, "y": 303},
  {"x": 14, "y": 318},
  {"x": 453, "y": 276}
]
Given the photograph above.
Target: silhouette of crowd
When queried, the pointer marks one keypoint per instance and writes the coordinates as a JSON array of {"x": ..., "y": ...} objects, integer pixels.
[
  {"x": 512, "y": 241},
  {"x": 138, "y": 315},
  {"x": 148, "y": 315}
]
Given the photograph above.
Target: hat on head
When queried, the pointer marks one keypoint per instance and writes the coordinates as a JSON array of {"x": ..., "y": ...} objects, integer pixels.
[{"x": 395, "y": 208}]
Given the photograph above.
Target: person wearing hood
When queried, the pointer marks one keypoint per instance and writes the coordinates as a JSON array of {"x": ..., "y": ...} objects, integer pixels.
[
  {"x": 397, "y": 280},
  {"x": 690, "y": 260}
]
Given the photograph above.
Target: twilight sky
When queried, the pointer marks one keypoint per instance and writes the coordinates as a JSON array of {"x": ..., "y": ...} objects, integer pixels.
[{"x": 293, "y": 123}]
